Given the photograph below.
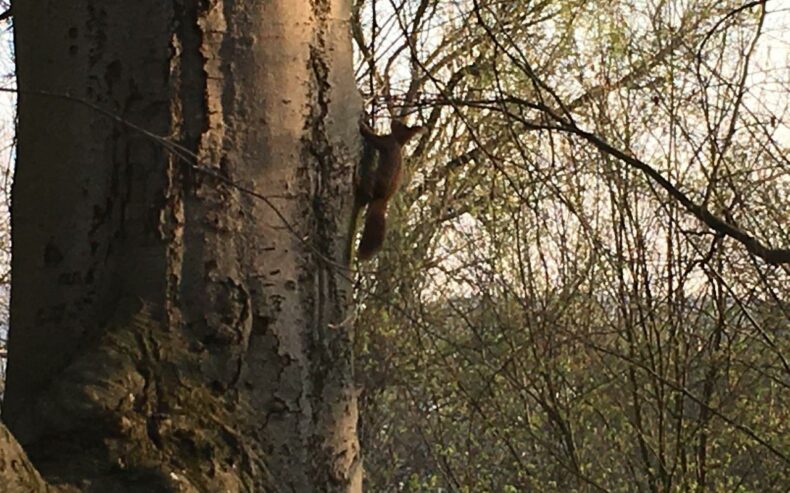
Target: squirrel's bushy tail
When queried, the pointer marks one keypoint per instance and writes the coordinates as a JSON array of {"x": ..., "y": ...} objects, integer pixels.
[{"x": 375, "y": 229}]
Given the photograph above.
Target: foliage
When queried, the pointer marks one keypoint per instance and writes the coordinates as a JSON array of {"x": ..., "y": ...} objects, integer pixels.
[{"x": 547, "y": 316}]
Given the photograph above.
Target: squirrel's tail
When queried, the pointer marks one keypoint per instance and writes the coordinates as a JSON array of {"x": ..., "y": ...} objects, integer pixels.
[{"x": 375, "y": 229}]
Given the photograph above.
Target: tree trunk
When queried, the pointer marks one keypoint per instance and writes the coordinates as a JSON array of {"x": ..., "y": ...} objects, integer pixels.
[{"x": 171, "y": 331}]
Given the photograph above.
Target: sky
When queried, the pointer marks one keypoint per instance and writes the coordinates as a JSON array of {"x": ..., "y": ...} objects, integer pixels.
[{"x": 772, "y": 63}]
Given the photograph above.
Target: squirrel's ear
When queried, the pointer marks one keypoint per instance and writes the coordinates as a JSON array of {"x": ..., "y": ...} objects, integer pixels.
[
  {"x": 398, "y": 126},
  {"x": 410, "y": 132},
  {"x": 403, "y": 132}
]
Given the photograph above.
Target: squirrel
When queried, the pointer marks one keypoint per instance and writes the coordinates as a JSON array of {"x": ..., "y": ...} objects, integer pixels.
[{"x": 376, "y": 188}]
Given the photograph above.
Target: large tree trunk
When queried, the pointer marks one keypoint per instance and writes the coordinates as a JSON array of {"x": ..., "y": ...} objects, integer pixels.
[{"x": 170, "y": 331}]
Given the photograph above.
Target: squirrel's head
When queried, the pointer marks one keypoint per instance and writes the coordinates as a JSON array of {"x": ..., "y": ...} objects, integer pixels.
[{"x": 403, "y": 132}]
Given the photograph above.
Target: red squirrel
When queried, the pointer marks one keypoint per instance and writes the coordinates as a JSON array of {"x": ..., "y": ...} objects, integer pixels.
[{"x": 376, "y": 189}]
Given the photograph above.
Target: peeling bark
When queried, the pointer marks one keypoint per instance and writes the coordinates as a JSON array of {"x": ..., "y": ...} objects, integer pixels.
[{"x": 170, "y": 332}]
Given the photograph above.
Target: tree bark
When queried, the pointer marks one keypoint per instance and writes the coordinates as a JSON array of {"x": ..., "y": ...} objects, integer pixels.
[
  {"x": 16, "y": 471},
  {"x": 170, "y": 330}
]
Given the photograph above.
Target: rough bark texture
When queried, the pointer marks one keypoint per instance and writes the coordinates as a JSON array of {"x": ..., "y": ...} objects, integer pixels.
[
  {"x": 16, "y": 471},
  {"x": 168, "y": 331}
]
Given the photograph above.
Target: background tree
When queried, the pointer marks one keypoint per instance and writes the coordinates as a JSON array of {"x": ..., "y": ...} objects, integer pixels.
[
  {"x": 7, "y": 103},
  {"x": 587, "y": 286},
  {"x": 180, "y": 214}
]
